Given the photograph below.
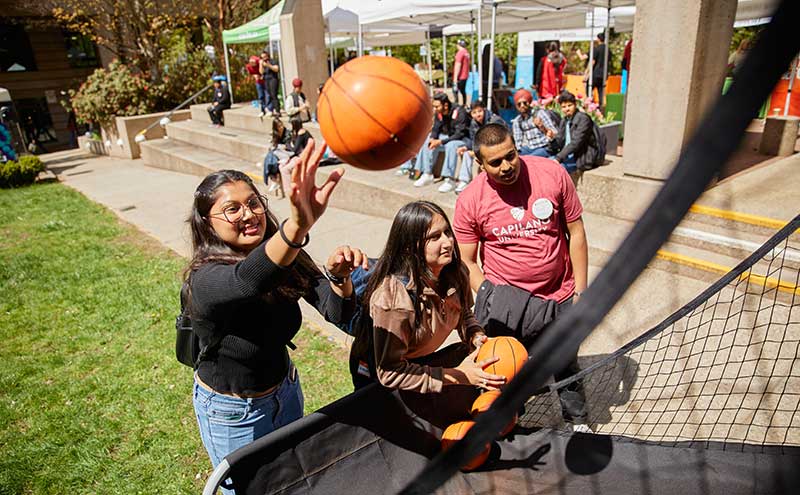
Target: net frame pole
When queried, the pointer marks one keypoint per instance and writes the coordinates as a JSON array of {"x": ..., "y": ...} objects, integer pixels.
[
  {"x": 444, "y": 61},
  {"x": 330, "y": 46},
  {"x": 430, "y": 60},
  {"x": 717, "y": 137},
  {"x": 605, "y": 59},
  {"x": 228, "y": 70},
  {"x": 471, "y": 47},
  {"x": 480, "y": 53},
  {"x": 590, "y": 67},
  {"x": 792, "y": 77},
  {"x": 490, "y": 85}
]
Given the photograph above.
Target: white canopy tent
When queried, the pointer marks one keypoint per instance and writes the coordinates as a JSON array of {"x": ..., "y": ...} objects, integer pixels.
[{"x": 527, "y": 15}]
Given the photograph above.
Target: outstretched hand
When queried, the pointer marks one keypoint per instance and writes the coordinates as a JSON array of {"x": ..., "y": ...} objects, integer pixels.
[{"x": 308, "y": 202}]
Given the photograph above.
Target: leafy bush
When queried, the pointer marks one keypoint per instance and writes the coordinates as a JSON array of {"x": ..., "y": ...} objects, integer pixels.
[
  {"x": 185, "y": 73},
  {"x": 22, "y": 172},
  {"x": 112, "y": 92}
]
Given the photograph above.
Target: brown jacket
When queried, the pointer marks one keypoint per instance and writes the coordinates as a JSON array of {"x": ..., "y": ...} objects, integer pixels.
[{"x": 392, "y": 311}]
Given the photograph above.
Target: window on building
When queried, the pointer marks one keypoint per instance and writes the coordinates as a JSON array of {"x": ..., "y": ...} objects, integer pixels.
[
  {"x": 16, "y": 54},
  {"x": 81, "y": 51}
]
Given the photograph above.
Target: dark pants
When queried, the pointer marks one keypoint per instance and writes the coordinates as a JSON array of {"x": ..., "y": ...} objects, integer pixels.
[
  {"x": 462, "y": 90},
  {"x": 572, "y": 397},
  {"x": 272, "y": 90},
  {"x": 598, "y": 85},
  {"x": 261, "y": 91},
  {"x": 215, "y": 112}
]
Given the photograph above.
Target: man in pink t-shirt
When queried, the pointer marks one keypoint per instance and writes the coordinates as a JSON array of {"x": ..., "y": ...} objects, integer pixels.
[
  {"x": 461, "y": 72},
  {"x": 524, "y": 218}
]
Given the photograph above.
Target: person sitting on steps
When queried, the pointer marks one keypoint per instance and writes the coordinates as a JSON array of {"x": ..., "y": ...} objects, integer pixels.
[
  {"x": 219, "y": 102},
  {"x": 280, "y": 152}
]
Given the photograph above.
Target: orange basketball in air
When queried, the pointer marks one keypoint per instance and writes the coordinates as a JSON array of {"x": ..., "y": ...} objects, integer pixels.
[
  {"x": 375, "y": 112},
  {"x": 484, "y": 402},
  {"x": 511, "y": 352},
  {"x": 456, "y": 432}
]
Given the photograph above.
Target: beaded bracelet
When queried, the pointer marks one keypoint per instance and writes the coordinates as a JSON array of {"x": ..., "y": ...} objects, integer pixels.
[
  {"x": 333, "y": 278},
  {"x": 290, "y": 243}
]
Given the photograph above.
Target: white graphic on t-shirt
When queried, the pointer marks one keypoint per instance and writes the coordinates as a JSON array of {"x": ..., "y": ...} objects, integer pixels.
[
  {"x": 521, "y": 227},
  {"x": 542, "y": 208}
]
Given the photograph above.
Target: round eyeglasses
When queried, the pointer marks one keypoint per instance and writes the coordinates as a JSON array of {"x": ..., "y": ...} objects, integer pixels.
[{"x": 234, "y": 212}]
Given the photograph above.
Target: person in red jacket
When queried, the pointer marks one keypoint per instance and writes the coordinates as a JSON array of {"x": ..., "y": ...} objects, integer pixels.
[{"x": 553, "y": 65}]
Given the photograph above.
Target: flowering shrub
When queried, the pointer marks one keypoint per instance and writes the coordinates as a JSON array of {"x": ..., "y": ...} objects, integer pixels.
[
  {"x": 111, "y": 92},
  {"x": 584, "y": 104},
  {"x": 119, "y": 92}
]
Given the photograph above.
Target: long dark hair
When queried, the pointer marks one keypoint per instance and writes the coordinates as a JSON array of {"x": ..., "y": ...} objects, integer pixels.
[
  {"x": 208, "y": 247},
  {"x": 277, "y": 135},
  {"x": 404, "y": 256},
  {"x": 297, "y": 125}
]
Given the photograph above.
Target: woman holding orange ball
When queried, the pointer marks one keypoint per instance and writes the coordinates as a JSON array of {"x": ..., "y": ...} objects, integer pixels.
[{"x": 417, "y": 294}]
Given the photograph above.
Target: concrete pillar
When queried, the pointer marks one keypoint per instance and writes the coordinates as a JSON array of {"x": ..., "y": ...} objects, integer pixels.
[
  {"x": 678, "y": 66},
  {"x": 303, "y": 52}
]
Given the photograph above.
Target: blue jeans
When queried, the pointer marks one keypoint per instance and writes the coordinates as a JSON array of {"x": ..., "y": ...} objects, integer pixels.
[
  {"x": 465, "y": 174},
  {"x": 570, "y": 164},
  {"x": 450, "y": 158},
  {"x": 425, "y": 158},
  {"x": 534, "y": 151},
  {"x": 228, "y": 423},
  {"x": 261, "y": 90}
]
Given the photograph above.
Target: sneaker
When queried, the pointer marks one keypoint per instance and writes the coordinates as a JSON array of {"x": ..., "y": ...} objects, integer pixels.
[
  {"x": 401, "y": 171},
  {"x": 447, "y": 186},
  {"x": 273, "y": 186},
  {"x": 461, "y": 186},
  {"x": 261, "y": 114},
  {"x": 580, "y": 428},
  {"x": 424, "y": 180}
]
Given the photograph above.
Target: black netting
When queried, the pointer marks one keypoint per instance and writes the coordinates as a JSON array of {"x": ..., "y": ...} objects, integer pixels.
[{"x": 723, "y": 370}]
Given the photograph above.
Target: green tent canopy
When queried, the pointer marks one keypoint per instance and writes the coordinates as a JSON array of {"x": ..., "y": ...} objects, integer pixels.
[{"x": 255, "y": 31}]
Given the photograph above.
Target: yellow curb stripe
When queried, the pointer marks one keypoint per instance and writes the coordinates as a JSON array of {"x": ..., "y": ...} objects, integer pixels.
[
  {"x": 738, "y": 217},
  {"x": 255, "y": 177},
  {"x": 708, "y": 266}
]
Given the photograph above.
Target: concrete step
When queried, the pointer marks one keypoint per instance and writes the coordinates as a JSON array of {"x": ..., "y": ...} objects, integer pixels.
[
  {"x": 200, "y": 111},
  {"x": 679, "y": 256},
  {"x": 186, "y": 158},
  {"x": 244, "y": 145}
]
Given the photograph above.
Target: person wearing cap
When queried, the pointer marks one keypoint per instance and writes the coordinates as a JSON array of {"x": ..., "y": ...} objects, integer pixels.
[
  {"x": 296, "y": 103},
  {"x": 219, "y": 102},
  {"x": 271, "y": 73},
  {"x": 254, "y": 69},
  {"x": 532, "y": 128},
  {"x": 461, "y": 72}
]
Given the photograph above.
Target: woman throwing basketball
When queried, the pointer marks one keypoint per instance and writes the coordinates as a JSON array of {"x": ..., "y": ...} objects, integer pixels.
[
  {"x": 417, "y": 294},
  {"x": 245, "y": 278}
]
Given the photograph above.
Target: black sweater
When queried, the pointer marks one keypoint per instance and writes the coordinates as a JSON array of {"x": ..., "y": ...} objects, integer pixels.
[{"x": 228, "y": 299}]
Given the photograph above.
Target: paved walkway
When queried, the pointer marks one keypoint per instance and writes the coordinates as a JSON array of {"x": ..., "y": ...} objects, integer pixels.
[{"x": 158, "y": 201}]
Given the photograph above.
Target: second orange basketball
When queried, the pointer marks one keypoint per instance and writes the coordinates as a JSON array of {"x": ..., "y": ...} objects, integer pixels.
[
  {"x": 511, "y": 352},
  {"x": 375, "y": 112}
]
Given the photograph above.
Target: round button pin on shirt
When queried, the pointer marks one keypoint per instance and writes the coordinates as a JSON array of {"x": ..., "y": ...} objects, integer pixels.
[{"x": 542, "y": 208}]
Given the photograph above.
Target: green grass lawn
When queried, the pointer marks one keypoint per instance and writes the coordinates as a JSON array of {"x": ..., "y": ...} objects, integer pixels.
[{"x": 93, "y": 399}]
